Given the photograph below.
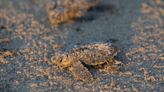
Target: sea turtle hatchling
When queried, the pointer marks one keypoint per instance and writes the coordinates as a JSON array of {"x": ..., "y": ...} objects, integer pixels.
[
  {"x": 91, "y": 54},
  {"x": 61, "y": 11}
]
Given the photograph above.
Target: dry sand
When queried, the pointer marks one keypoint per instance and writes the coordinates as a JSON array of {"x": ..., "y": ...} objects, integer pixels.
[{"x": 28, "y": 41}]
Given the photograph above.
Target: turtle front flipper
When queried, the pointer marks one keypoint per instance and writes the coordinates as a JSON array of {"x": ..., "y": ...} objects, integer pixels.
[{"x": 80, "y": 72}]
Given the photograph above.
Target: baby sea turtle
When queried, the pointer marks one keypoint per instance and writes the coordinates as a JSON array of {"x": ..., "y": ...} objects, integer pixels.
[
  {"x": 65, "y": 10},
  {"x": 91, "y": 54}
]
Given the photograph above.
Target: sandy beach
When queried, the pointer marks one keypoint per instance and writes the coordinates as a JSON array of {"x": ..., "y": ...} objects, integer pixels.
[{"x": 28, "y": 41}]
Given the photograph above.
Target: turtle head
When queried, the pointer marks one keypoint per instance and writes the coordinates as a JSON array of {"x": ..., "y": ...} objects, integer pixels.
[
  {"x": 62, "y": 61},
  {"x": 114, "y": 51}
]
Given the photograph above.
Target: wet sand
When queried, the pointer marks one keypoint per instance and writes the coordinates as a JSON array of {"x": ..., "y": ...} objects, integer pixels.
[{"x": 25, "y": 31}]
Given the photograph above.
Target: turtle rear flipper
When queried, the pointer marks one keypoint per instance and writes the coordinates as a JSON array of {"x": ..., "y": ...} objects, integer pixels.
[{"x": 80, "y": 72}]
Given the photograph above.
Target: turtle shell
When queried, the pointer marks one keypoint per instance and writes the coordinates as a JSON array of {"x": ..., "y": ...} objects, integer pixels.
[{"x": 95, "y": 54}]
